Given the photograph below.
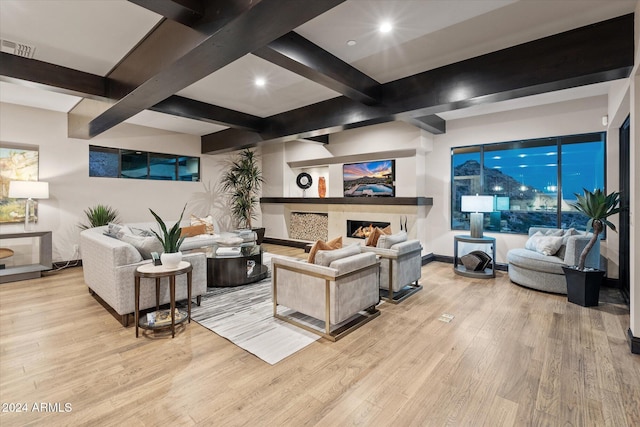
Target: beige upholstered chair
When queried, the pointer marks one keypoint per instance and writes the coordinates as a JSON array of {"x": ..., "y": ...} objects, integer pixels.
[
  {"x": 340, "y": 290},
  {"x": 400, "y": 266}
]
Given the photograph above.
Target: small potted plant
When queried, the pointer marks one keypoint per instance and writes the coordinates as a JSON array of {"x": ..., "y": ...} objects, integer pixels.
[
  {"x": 170, "y": 240},
  {"x": 583, "y": 284},
  {"x": 242, "y": 181},
  {"x": 99, "y": 215}
]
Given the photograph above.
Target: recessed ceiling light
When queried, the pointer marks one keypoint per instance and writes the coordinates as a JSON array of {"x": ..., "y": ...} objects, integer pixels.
[
  {"x": 385, "y": 27},
  {"x": 351, "y": 42},
  {"x": 260, "y": 81}
]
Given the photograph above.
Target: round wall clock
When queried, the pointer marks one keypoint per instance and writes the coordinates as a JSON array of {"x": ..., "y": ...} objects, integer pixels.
[{"x": 304, "y": 180}]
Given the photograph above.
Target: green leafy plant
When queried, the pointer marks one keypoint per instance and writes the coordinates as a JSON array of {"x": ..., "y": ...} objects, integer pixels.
[
  {"x": 242, "y": 181},
  {"x": 99, "y": 215},
  {"x": 171, "y": 240},
  {"x": 597, "y": 206}
]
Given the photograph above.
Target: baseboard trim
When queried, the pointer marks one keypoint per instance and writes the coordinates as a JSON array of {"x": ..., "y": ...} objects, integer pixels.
[
  {"x": 426, "y": 259},
  {"x": 611, "y": 283},
  {"x": 67, "y": 264},
  {"x": 300, "y": 244},
  {"x": 634, "y": 342}
]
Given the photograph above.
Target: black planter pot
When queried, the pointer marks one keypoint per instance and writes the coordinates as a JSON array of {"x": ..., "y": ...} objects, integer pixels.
[{"x": 583, "y": 287}]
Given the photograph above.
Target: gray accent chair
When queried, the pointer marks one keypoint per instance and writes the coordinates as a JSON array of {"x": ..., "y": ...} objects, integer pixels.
[
  {"x": 400, "y": 269},
  {"x": 544, "y": 272},
  {"x": 340, "y": 290}
]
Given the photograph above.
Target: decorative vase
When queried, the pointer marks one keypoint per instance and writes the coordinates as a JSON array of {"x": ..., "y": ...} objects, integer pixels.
[
  {"x": 171, "y": 260},
  {"x": 322, "y": 187}
]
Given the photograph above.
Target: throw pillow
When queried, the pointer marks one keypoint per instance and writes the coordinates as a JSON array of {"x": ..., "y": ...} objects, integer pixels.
[
  {"x": 207, "y": 221},
  {"x": 565, "y": 238},
  {"x": 144, "y": 245},
  {"x": 326, "y": 257},
  {"x": 141, "y": 232},
  {"x": 554, "y": 233},
  {"x": 375, "y": 234},
  {"x": 194, "y": 230},
  {"x": 324, "y": 246},
  {"x": 546, "y": 245},
  {"x": 117, "y": 230},
  {"x": 386, "y": 241}
]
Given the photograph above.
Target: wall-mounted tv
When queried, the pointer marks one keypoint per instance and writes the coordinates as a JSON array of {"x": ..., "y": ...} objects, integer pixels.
[{"x": 369, "y": 179}]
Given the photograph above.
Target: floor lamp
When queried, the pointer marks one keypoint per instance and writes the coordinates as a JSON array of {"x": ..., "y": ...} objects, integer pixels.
[
  {"x": 477, "y": 205},
  {"x": 28, "y": 190}
]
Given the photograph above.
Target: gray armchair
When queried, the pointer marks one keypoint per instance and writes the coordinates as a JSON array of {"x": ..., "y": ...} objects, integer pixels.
[
  {"x": 400, "y": 269},
  {"x": 340, "y": 290}
]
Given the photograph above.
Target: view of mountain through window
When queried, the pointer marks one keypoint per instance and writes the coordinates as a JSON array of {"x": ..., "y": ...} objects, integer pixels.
[{"x": 533, "y": 182}]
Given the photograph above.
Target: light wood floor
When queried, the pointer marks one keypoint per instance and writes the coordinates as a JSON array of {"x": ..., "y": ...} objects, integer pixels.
[{"x": 511, "y": 356}]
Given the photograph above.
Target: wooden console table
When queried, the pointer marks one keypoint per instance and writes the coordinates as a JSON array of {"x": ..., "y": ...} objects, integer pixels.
[{"x": 30, "y": 271}]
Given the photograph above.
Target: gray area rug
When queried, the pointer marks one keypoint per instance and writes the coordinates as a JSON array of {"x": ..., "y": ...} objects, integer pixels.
[{"x": 244, "y": 316}]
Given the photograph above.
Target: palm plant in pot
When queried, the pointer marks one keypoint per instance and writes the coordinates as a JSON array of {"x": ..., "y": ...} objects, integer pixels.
[
  {"x": 242, "y": 181},
  {"x": 99, "y": 215},
  {"x": 170, "y": 240},
  {"x": 583, "y": 284}
]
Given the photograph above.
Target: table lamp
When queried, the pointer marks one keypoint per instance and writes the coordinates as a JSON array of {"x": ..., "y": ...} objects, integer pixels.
[
  {"x": 477, "y": 205},
  {"x": 28, "y": 190}
]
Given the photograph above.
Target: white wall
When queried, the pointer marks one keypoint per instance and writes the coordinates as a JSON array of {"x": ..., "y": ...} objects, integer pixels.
[
  {"x": 564, "y": 118},
  {"x": 64, "y": 163}
]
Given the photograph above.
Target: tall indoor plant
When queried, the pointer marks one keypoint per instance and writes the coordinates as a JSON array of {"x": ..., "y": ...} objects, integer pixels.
[
  {"x": 242, "y": 182},
  {"x": 583, "y": 284},
  {"x": 170, "y": 240}
]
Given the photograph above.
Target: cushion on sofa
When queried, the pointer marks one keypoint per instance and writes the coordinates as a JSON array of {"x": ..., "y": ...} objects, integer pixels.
[
  {"x": 565, "y": 237},
  {"x": 207, "y": 221},
  {"x": 324, "y": 257},
  {"x": 144, "y": 245},
  {"x": 117, "y": 230},
  {"x": 193, "y": 230},
  {"x": 386, "y": 241},
  {"x": 375, "y": 234},
  {"x": 544, "y": 244},
  {"x": 532, "y": 260},
  {"x": 324, "y": 246}
]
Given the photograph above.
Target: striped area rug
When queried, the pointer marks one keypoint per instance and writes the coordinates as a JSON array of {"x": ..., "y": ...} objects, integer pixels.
[{"x": 244, "y": 316}]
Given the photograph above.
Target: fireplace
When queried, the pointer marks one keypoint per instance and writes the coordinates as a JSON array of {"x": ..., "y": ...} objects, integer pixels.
[{"x": 361, "y": 229}]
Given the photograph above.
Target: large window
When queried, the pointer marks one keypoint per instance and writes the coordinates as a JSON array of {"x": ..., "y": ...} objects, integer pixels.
[
  {"x": 116, "y": 163},
  {"x": 533, "y": 182}
]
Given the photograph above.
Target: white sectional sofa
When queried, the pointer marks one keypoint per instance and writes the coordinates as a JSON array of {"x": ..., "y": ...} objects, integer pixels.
[{"x": 109, "y": 265}]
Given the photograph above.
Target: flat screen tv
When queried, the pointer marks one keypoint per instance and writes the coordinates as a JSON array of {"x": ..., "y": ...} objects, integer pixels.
[{"x": 369, "y": 179}]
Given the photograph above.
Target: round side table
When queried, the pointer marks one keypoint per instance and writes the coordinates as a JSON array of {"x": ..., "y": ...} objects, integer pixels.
[{"x": 158, "y": 272}]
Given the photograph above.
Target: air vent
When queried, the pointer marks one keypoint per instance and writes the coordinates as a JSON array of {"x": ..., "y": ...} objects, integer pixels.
[{"x": 15, "y": 48}]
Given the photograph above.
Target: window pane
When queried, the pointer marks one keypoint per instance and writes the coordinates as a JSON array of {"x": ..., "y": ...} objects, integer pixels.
[
  {"x": 189, "y": 168},
  {"x": 162, "y": 167},
  {"x": 134, "y": 164},
  {"x": 582, "y": 167},
  {"x": 523, "y": 177},
  {"x": 466, "y": 181},
  {"x": 103, "y": 161}
]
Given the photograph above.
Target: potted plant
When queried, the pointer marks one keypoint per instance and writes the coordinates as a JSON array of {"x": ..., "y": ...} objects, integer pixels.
[
  {"x": 170, "y": 240},
  {"x": 99, "y": 215},
  {"x": 583, "y": 284},
  {"x": 242, "y": 181}
]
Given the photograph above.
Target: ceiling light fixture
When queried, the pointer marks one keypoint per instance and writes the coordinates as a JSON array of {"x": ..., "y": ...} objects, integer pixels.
[
  {"x": 351, "y": 42},
  {"x": 385, "y": 27},
  {"x": 260, "y": 81}
]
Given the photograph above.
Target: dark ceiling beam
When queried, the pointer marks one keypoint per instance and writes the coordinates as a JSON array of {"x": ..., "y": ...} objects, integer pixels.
[
  {"x": 433, "y": 124},
  {"x": 599, "y": 52},
  {"x": 166, "y": 68},
  {"x": 192, "y": 109},
  {"x": 186, "y": 12},
  {"x": 24, "y": 71},
  {"x": 297, "y": 54},
  {"x": 31, "y": 72}
]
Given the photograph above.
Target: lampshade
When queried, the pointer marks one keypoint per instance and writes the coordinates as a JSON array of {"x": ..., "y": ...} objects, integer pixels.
[
  {"x": 28, "y": 190},
  {"x": 477, "y": 204}
]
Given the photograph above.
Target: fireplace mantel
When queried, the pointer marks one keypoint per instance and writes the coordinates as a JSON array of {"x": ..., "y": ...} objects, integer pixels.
[{"x": 388, "y": 201}]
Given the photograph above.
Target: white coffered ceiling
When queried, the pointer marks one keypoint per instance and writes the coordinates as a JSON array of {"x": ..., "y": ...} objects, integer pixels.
[{"x": 94, "y": 35}]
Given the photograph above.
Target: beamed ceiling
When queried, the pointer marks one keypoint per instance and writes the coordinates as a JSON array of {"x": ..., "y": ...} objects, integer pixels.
[{"x": 189, "y": 65}]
